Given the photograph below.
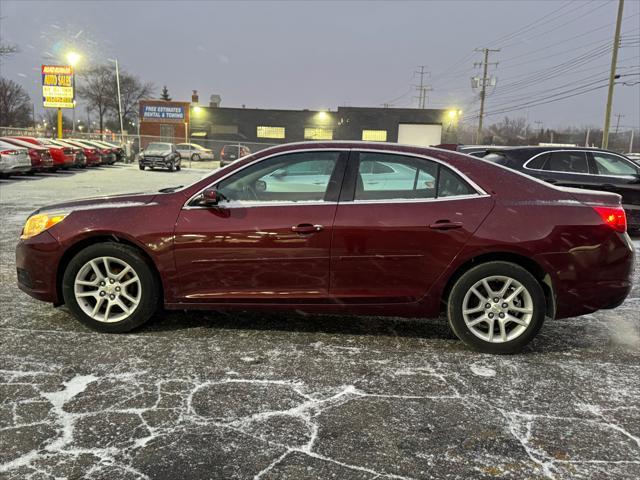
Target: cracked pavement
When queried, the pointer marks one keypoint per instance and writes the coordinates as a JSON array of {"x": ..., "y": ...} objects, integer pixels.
[{"x": 224, "y": 395}]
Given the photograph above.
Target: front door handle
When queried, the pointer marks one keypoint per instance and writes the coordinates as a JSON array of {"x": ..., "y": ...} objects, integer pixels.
[
  {"x": 552, "y": 181},
  {"x": 445, "y": 225},
  {"x": 307, "y": 228}
]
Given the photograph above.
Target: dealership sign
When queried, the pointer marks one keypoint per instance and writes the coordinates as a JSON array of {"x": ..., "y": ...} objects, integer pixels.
[
  {"x": 57, "y": 86},
  {"x": 163, "y": 112}
]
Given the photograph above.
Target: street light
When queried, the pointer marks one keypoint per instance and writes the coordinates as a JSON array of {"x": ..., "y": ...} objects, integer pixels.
[
  {"x": 115, "y": 60},
  {"x": 73, "y": 58}
]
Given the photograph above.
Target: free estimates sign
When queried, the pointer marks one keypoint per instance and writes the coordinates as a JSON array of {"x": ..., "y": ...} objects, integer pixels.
[{"x": 57, "y": 86}]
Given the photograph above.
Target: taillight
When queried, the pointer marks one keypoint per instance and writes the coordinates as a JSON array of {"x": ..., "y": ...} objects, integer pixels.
[
  {"x": 613, "y": 217},
  {"x": 8, "y": 152}
]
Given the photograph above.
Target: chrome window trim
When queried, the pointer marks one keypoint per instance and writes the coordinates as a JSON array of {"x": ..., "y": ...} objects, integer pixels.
[
  {"x": 416, "y": 200},
  {"x": 480, "y": 192},
  {"x": 524, "y": 166}
]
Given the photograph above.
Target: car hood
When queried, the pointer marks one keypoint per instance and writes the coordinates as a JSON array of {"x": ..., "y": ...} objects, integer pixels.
[
  {"x": 156, "y": 152},
  {"x": 112, "y": 201}
]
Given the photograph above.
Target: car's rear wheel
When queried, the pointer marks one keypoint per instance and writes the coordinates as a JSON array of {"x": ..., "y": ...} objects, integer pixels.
[
  {"x": 110, "y": 287},
  {"x": 496, "y": 307}
]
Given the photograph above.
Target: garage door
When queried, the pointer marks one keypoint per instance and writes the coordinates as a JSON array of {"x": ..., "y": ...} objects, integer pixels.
[{"x": 420, "y": 134}]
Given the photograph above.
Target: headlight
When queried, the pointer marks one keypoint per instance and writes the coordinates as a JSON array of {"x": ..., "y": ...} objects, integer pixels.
[{"x": 39, "y": 223}]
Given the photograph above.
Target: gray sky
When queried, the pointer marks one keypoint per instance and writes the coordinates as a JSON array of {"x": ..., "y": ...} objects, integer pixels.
[{"x": 324, "y": 54}]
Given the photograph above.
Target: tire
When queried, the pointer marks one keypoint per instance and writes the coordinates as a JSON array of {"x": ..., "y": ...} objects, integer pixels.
[
  {"x": 138, "y": 290},
  {"x": 179, "y": 166},
  {"x": 195, "y": 157},
  {"x": 141, "y": 167},
  {"x": 171, "y": 166},
  {"x": 485, "y": 334}
]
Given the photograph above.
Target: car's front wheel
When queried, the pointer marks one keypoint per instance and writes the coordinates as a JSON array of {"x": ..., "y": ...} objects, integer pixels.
[
  {"x": 496, "y": 307},
  {"x": 110, "y": 287},
  {"x": 141, "y": 167},
  {"x": 195, "y": 157}
]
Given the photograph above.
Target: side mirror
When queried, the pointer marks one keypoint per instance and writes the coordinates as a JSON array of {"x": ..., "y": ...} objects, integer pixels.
[{"x": 210, "y": 197}]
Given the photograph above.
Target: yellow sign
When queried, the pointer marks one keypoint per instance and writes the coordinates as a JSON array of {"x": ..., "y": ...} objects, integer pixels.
[{"x": 57, "y": 86}]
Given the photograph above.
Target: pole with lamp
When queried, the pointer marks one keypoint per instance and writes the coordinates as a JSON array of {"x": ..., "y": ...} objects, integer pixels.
[
  {"x": 73, "y": 58},
  {"x": 115, "y": 60}
]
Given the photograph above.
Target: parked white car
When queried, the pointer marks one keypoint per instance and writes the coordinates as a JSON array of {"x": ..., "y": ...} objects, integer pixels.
[
  {"x": 194, "y": 152},
  {"x": 13, "y": 159}
]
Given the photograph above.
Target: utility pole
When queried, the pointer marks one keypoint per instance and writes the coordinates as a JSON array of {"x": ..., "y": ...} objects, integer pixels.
[
  {"x": 619, "y": 115},
  {"x": 422, "y": 88},
  {"x": 612, "y": 76},
  {"x": 586, "y": 140},
  {"x": 483, "y": 84},
  {"x": 631, "y": 142}
]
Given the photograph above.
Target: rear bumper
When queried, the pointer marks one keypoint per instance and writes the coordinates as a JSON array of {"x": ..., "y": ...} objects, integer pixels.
[
  {"x": 633, "y": 216},
  {"x": 37, "y": 259},
  {"x": 591, "y": 278},
  {"x": 21, "y": 168}
]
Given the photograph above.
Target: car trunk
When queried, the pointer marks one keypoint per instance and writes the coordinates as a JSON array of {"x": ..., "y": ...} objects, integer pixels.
[{"x": 593, "y": 197}]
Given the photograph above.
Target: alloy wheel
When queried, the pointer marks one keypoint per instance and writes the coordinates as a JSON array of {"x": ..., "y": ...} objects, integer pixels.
[
  {"x": 497, "y": 309},
  {"x": 107, "y": 289}
]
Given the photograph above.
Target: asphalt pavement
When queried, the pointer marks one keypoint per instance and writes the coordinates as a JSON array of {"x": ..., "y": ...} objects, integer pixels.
[{"x": 221, "y": 395}]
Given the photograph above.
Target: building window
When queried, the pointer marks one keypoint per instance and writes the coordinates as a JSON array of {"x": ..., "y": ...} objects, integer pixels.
[
  {"x": 167, "y": 133},
  {"x": 224, "y": 129},
  {"x": 270, "y": 132},
  {"x": 374, "y": 135},
  {"x": 318, "y": 133}
]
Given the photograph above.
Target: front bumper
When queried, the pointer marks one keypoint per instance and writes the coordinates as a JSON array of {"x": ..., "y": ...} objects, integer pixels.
[
  {"x": 155, "y": 162},
  {"x": 37, "y": 260}
]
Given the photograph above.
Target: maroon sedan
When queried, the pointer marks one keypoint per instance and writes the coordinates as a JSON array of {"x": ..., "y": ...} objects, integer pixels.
[{"x": 360, "y": 228}]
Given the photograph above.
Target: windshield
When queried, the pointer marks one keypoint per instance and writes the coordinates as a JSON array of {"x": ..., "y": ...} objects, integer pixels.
[{"x": 159, "y": 146}]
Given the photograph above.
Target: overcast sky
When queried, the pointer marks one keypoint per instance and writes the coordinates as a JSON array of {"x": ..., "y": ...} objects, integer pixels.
[{"x": 324, "y": 54}]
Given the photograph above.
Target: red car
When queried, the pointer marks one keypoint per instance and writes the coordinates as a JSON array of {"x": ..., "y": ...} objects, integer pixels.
[
  {"x": 341, "y": 227},
  {"x": 40, "y": 157},
  {"x": 62, "y": 157},
  {"x": 92, "y": 154}
]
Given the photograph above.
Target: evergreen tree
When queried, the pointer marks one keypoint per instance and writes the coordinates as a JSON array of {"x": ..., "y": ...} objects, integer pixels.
[{"x": 165, "y": 94}]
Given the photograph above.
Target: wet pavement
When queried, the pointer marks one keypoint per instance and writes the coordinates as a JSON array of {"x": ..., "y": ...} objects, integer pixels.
[{"x": 222, "y": 395}]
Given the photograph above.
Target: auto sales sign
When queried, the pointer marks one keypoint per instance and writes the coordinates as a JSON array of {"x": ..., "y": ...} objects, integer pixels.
[{"x": 57, "y": 86}]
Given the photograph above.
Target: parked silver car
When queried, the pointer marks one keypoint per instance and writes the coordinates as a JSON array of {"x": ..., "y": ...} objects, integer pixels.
[
  {"x": 194, "y": 152},
  {"x": 13, "y": 159}
]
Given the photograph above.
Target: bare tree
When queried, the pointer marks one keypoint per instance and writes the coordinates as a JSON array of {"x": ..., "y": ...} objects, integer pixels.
[
  {"x": 15, "y": 105},
  {"x": 510, "y": 131},
  {"x": 97, "y": 89},
  {"x": 7, "y": 49}
]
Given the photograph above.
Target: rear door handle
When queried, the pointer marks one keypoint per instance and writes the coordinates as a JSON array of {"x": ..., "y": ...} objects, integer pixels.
[
  {"x": 445, "y": 225},
  {"x": 551, "y": 180},
  {"x": 307, "y": 228}
]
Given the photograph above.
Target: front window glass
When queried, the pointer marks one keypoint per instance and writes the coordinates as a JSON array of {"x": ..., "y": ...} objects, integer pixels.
[
  {"x": 569, "y": 162},
  {"x": 295, "y": 177},
  {"x": 159, "y": 146},
  {"x": 613, "y": 165}
]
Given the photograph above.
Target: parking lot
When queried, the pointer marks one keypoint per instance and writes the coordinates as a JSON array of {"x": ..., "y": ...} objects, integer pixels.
[{"x": 251, "y": 395}]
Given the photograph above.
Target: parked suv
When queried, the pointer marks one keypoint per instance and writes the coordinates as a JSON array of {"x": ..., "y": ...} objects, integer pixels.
[
  {"x": 160, "y": 155},
  {"x": 231, "y": 153},
  {"x": 587, "y": 168}
]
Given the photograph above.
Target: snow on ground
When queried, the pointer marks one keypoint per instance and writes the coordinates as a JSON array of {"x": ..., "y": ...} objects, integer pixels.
[{"x": 253, "y": 395}]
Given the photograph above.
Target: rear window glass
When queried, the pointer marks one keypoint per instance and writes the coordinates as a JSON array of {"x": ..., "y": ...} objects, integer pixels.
[
  {"x": 499, "y": 158},
  {"x": 569, "y": 162},
  {"x": 538, "y": 162}
]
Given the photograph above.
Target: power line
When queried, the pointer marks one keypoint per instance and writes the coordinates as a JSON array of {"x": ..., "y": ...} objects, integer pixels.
[
  {"x": 483, "y": 92},
  {"x": 422, "y": 88}
]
